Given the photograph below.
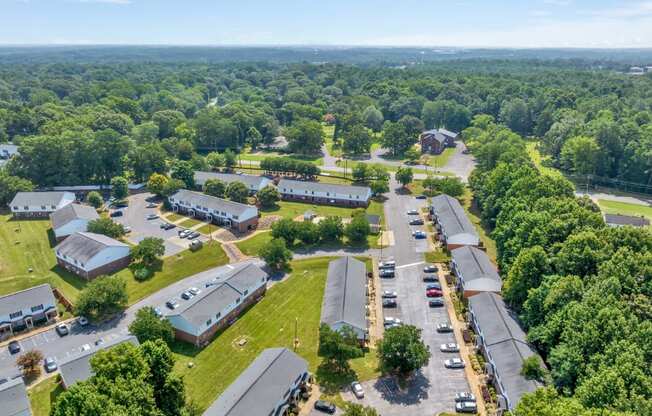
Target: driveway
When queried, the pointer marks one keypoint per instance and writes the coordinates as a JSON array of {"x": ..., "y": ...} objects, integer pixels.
[
  {"x": 135, "y": 216},
  {"x": 52, "y": 345},
  {"x": 433, "y": 388}
]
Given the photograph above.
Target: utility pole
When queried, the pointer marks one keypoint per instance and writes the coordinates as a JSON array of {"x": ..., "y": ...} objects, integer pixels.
[{"x": 296, "y": 338}]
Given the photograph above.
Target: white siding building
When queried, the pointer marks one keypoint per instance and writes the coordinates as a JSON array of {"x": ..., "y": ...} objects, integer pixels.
[
  {"x": 89, "y": 255},
  {"x": 39, "y": 204}
]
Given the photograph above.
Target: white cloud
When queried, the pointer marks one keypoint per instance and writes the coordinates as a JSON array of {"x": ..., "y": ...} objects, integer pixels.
[
  {"x": 557, "y": 2},
  {"x": 628, "y": 11},
  {"x": 102, "y": 1}
]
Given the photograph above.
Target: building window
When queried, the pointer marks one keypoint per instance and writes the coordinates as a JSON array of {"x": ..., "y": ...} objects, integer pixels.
[
  {"x": 217, "y": 315},
  {"x": 209, "y": 322},
  {"x": 16, "y": 208},
  {"x": 43, "y": 207},
  {"x": 37, "y": 308},
  {"x": 26, "y": 208},
  {"x": 237, "y": 300},
  {"x": 235, "y": 217},
  {"x": 246, "y": 292},
  {"x": 53, "y": 206},
  {"x": 15, "y": 314}
]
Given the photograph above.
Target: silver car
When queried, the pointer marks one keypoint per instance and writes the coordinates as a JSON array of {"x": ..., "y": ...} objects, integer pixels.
[
  {"x": 454, "y": 363},
  {"x": 50, "y": 364},
  {"x": 450, "y": 347},
  {"x": 357, "y": 390}
]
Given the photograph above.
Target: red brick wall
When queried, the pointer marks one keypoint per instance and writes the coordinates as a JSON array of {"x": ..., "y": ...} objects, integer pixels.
[{"x": 106, "y": 269}]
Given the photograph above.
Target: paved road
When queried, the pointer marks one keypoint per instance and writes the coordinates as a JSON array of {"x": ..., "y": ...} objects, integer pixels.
[
  {"x": 434, "y": 386},
  {"x": 52, "y": 345}
]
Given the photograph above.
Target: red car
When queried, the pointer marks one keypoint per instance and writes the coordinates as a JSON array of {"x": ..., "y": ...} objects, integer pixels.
[{"x": 433, "y": 293}]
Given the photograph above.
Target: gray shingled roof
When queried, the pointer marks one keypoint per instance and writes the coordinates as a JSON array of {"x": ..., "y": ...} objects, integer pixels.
[
  {"x": 13, "y": 398},
  {"x": 373, "y": 219},
  {"x": 617, "y": 219},
  {"x": 210, "y": 202},
  {"x": 78, "y": 368},
  {"x": 362, "y": 191},
  {"x": 436, "y": 134},
  {"x": 505, "y": 342},
  {"x": 477, "y": 269},
  {"x": 453, "y": 220},
  {"x": 71, "y": 212},
  {"x": 261, "y": 386},
  {"x": 345, "y": 296},
  {"x": 448, "y": 133},
  {"x": 83, "y": 246},
  {"x": 249, "y": 180},
  {"x": 41, "y": 294},
  {"x": 222, "y": 293},
  {"x": 39, "y": 198}
]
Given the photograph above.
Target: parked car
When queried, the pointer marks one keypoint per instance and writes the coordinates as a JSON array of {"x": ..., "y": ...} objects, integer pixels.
[
  {"x": 151, "y": 205},
  {"x": 157, "y": 312},
  {"x": 324, "y": 406},
  {"x": 430, "y": 268},
  {"x": 450, "y": 347},
  {"x": 466, "y": 407},
  {"x": 389, "y": 294},
  {"x": 357, "y": 390},
  {"x": 386, "y": 273},
  {"x": 172, "y": 304},
  {"x": 433, "y": 286},
  {"x": 14, "y": 347},
  {"x": 152, "y": 216},
  {"x": 194, "y": 291},
  {"x": 167, "y": 226},
  {"x": 127, "y": 229},
  {"x": 99, "y": 342},
  {"x": 82, "y": 321},
  {"x": 464, "y": 396},
  {"x": 444, "y": 328},
  {"x": 419, "y": 235},
  {"x": 436, "y": 303},
  {"x": 85, "y": 347},
  {"x": 421, "y": 196},
  {"x": 389, "y": 303},
  {"x": 50, "y": 365},
  {"x": 392, "y": 321},
  {"x": 116, "y": 214},
  {"x": 186, "y": 295},
  {"x": 62, "y": 330},
  {"x": 121, "y": 204},
  {"x": 387, "y": 264},
  {"x": 195, "y": 244},
  {"x": 413, "y": 212},
  {"x": 433, "y": 293},
  {"x": 454, "y": 363},
  {"x": 193, "y": 235},
  {"x": 416, "y": 221},
  {"x": 183, "y": 233},
  {"x": 430, "y": 278}
]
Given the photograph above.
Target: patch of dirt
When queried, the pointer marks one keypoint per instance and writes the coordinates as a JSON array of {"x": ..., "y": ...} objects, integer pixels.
[{"x": 265, "y": 223}]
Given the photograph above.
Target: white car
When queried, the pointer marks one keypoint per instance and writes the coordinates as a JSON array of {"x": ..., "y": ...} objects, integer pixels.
[
  {"x": 450, "y": 347},
  {"x": 413, "y": 212},
  {"x": 356, "y": 388},
  {"x": 464, "y": 396},
  {"x": 389, "y": 294},
  {"x": 194, "y": 291},
  {"x": 85, "y": 347},
  {"x": 454, "y": 363},
  {"x": 82, "y": 321},
  {"x": 387, "y": 264},
  {"x": 392, "y": 321}
]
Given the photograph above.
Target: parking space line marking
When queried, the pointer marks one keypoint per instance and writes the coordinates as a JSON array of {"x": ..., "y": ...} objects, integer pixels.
[{"x": 409, "y": 265}]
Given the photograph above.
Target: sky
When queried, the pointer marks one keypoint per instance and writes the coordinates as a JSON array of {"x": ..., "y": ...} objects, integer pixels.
[{"x": 457, "y": 23}]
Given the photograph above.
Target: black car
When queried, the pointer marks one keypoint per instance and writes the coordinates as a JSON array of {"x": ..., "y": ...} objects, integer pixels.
[
  {"x": 416, "y": 221},
  {"x": 14, "y": 347},
  {"x": 421, "y": 196},
  {"x": 431, "y": 268},
  {"x": 324, "y": 406},
  {"x": 433, "y": 286},
  {"x": 194, "y": 235},
  {"x": 430, "y": 278},
  {"x": 169, "y": 226},
  {"x": 436, "y": 303},
  {"x": 386, "y": 273},
  {"x": 389, "y": 303},
  {"x": 116, "y": 214}
]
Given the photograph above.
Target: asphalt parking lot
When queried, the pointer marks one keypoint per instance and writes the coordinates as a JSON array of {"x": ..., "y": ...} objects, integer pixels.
[
  {"x": 135, "y": 216},
  {"x": 434, "y": 386}
]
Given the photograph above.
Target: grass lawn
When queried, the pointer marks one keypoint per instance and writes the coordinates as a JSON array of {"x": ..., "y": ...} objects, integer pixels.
[
  {"x": 270, "y": 323},
  {"x": 175, "y": 268},
  {"x": 205, "y": 229},
  {"x": 538, "y": 159},
  {"x": 29, "y": 244},
  {"x": 439, "y": 161},
  {"x": 624, "y": 208},
  {"x": 290, "y": 209},
  {"x": 329, "y": 132},
  {"x": 316, "y": 159},
  {"x": 474, "y": 215},
  {"x": 43, "y": 394},
  {"x": 190, "y": 222},
  {"x": 172, "y": 217}
]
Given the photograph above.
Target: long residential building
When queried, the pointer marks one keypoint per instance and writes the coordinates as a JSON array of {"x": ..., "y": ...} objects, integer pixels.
[
  {"x": 453, "y": 226},
  {"x": 39, "y": 204},
  {"x": 240, "y": 217},
  {"x": 503, "y": 344},
  {"x": 345, "y": 297},
  {"x": 324, "y": 193},
  {"x": 13, "y": 398},
  {"x": 71, "y": 219},
  {"x": 474, "y": 271},
  {"x": 270, "y": 386},
  {"x": 89, "y": 255},
  {"x": 222, "y": 300},
  {"x": 253, "y": 182},
  {"x": 25, "y": 309},
  {"x": 78, "y": 368}
]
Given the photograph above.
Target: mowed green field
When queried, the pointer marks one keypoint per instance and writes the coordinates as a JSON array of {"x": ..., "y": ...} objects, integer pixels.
[
  {"x": 294, "y": 302},
  {"x": 624, "y": 208},
  {"x": 29, "y": 244},
  {"x": 289, "y": 209},
  {"x": 43, "y": 394}
]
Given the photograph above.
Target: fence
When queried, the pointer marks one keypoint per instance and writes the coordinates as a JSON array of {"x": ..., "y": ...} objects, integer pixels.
[{"x": 584, "y": 182}]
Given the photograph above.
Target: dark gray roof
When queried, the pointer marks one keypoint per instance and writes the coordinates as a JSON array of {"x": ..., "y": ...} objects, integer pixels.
[
  {"x": 505, "y": 343},
  {"x": 13, "y": 398},
  {"x": 477, "y": 269},
  {"x": 453, "y": 220},
  {"x": 41, "y": 294},
  {"x": 617, "y": 219},
  {"x": 71, "y": 212},
  {"x": 373, "y": 219},
  {"x": 448, "y": 133},
  {"x": 436, "y": 135},
  {"x": 260, "y": 387},
  {"x": 249, "y": 180},
  {"x": 78, "y": 368},
  {"x": 83, "y": 246},
  {"x": 345, "y": 296},
  {"x": 223, "y": 292},
  {"x": 362, "y": 191},
  {"x": 210, "y": 202},
  {"x": 39, "y": 198}
]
